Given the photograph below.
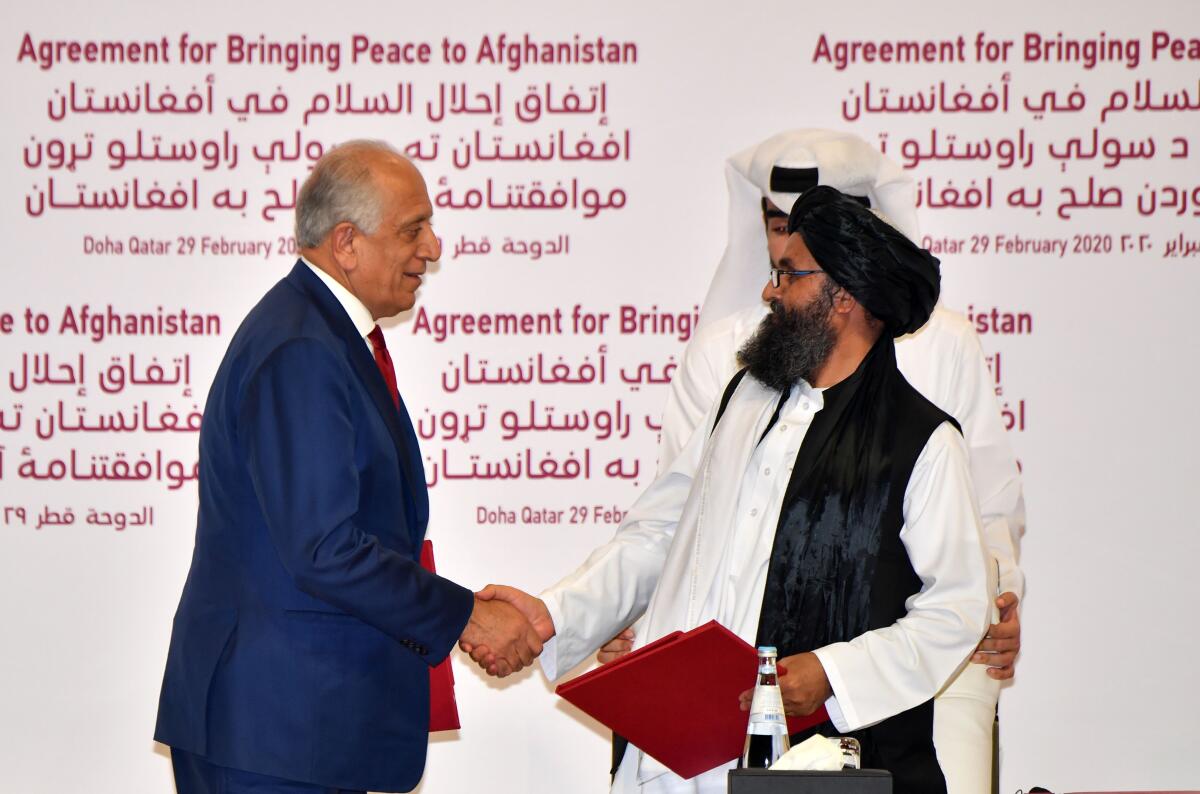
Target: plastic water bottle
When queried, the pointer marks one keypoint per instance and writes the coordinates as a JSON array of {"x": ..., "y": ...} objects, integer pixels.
[{"x": 766, "y": 733}]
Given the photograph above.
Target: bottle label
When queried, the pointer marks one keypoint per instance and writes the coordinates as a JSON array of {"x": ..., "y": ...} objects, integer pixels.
[{"x": 767, "y": 705}]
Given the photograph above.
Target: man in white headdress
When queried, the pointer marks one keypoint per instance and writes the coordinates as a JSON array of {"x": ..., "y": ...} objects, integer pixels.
[{"x": 943, "y": 361}]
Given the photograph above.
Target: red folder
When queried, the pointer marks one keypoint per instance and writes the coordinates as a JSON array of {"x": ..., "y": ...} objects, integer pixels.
[
  {"x": 677, "y": 698},
  {"x": 443, "y": 710}
]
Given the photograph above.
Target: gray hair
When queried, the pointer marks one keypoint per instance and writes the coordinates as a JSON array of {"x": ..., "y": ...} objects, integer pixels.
[{"x": 340, "y": 188}]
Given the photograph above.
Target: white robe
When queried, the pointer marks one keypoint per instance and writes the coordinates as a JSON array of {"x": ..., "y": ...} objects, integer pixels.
[{"x": 696, "y": 547}]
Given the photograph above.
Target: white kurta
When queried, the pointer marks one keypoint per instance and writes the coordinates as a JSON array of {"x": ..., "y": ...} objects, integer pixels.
[{"x": 696, "y": 546}]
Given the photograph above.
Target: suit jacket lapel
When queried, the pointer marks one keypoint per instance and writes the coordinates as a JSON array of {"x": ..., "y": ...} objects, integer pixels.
[{"x": 398, "y": 423}]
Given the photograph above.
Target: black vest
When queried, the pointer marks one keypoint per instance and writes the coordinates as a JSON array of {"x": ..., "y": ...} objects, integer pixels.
[{"x": 838, "y": 567}]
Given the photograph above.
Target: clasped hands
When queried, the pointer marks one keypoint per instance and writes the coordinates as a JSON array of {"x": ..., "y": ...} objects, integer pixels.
[{"x": 506, "y": 630}]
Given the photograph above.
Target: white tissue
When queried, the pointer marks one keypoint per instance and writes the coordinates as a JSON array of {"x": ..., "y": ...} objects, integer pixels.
[{"x": 815, "y": 753}]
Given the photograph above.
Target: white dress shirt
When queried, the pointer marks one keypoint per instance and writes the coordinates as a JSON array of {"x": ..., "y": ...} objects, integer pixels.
[{"x": 359, "y": 314}]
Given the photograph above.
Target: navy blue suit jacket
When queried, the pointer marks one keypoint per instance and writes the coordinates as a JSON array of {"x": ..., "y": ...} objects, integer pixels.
[{"x": 306, "y": 629}]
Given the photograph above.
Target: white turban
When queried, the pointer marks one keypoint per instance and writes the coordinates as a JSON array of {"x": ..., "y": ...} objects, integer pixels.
[{"x": 840, "y": 160}]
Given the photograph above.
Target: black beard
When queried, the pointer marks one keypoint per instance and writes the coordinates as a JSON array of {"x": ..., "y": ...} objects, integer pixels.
[{"x": 790, "y": 345}]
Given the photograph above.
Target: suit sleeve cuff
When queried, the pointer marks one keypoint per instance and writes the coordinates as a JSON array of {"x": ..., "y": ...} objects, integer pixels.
[{"x": 462, "y": 603}]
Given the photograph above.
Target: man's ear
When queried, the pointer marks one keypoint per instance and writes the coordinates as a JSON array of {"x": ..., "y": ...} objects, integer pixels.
[
  {"x": 843, "y": 301},
  {"x": 343, "y": 239}
]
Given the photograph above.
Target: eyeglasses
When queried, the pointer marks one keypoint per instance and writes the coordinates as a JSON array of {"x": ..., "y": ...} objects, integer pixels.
[{"x": 776, "y": 273}]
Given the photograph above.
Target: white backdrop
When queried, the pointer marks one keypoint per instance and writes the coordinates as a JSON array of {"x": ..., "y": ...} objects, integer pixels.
[{"x": 619, "y": 209}]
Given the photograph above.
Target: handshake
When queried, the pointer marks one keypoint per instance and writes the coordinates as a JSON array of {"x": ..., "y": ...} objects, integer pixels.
[{"x": 506, "y": 630}]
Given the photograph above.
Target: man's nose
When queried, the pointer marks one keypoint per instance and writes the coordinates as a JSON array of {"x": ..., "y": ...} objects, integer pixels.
[
  {"x": 769, "y": 291},
  {"x": 431, "y": 248}
]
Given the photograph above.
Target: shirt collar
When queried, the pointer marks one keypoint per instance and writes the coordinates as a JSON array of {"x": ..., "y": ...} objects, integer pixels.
[
  {"x": 359, "y": 314},
  {"x": 814, "y": 395}
]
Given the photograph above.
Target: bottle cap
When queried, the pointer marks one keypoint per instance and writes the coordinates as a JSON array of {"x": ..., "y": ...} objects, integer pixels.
[{"x": 767, "y": 650}]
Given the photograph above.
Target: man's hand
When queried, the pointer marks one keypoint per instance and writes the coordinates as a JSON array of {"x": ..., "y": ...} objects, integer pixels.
[
  {"x": 500, "y": 638},
  {"x": 617, "y": 647},
  {"x": 1002, "y": 643},
  {"x": 802, "y": 683},
  {"x": 531, "y": 608}
]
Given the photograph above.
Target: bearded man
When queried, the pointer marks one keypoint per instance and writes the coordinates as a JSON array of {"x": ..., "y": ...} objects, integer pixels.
[{"x": 826, "y": 508}]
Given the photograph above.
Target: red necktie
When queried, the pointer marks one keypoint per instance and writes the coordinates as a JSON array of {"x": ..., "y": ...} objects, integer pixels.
[
  {"x": 384, "y": 362},
  {"x": 443, "y": 709}
]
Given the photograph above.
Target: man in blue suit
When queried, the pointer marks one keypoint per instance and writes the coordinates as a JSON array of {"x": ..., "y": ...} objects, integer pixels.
[{"x": 301, "y": 649}]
